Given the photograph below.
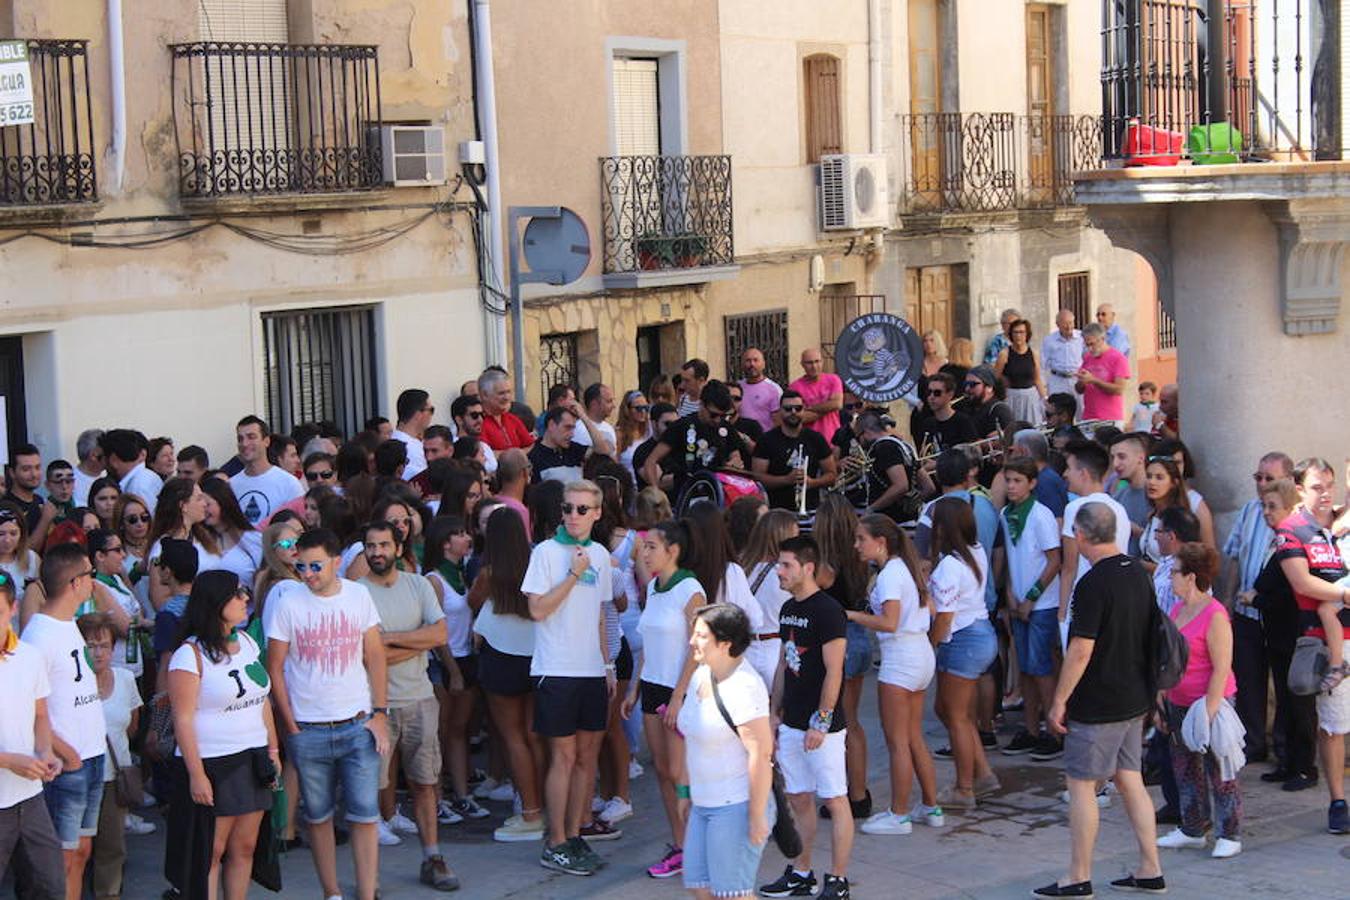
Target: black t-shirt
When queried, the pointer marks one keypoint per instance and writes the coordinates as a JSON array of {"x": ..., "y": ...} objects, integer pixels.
[
  {"x": 959, "y": 429},
  {"x": 32, "y": 509},
  {"x": 885, "y": 453},
  {"x": 805, "y": 627},
  {"x": 640, "y": 455},
  {"x": 749, "y": 429},
  {"x": 695, "y": 445},
  {"x": 1279, "y": 610},
  {"x": 543, "y": 458},
  {"x": 992, "y": 416},
  {"x": 786, "y": 454},
  {"x": 1114, "y": 605}
]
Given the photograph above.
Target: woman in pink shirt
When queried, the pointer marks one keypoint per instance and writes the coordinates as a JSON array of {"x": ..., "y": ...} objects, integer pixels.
[{"x": 1204, "y": 624}]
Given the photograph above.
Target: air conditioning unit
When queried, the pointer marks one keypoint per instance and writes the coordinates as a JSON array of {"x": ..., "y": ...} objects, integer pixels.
[
  {"x": 413, "y": 155},
  {"x": 853, "y": 192}
]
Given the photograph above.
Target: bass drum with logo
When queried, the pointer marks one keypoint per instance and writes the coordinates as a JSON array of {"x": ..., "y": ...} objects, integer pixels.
[{"x": 718, "y": 488}]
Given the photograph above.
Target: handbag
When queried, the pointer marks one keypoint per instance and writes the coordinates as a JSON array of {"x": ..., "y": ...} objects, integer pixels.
[
  {"x": 1309, "y": 665},
  {"x": 128, "y": 785},
  {"x": 785, "y": 834},
  {"x": 160, "y": 740}
]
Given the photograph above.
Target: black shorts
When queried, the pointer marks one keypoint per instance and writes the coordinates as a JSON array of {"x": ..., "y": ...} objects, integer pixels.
[
  {"x": 623, "y": 663},
  {"x": 235, "y": 784},
  {"x": 503, "y": 673},
  {"x": 468, "y": 670},
  {"x": 563, "y": 706},
  {"x": 654, "y": 696}
]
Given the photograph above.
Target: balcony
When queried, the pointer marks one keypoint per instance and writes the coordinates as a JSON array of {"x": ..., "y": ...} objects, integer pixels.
[
  {"x": 666, "y": 220},
  {"x": 50, "y": 163},
  {"x": 1222, "y": 82},
  {"x": 259, "y": 120},
  {"x": 993, "y": 162}
]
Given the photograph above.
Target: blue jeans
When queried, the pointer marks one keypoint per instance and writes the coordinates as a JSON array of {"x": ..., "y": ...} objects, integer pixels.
[
  {"x": 1035, "y": 641},
  {"x": 74, "y": 800},
  {"x": 857, "y": 650},
  {"x": 718, "y": 855},
  {"x": 968, "y": 653},
  {"x": 323, "y": 755}
]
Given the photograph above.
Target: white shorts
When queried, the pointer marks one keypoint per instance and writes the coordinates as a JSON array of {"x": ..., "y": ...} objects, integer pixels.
[
  {"x": 907, "y": 661},
  {"x": 1333, "y": 710},
  {"x": 820, "y": 771},
  {"x": 763, "y": 656}
]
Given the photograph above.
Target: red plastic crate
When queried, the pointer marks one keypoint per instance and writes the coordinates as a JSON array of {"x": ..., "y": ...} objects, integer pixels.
[{"x": 1149, "y": 146}]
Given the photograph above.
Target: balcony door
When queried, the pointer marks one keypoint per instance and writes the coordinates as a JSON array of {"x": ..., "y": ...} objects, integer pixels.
[
  {"x": 930, "y": 300},
  {"x": 925, "y": 104},
  {"x": 1040, "y": 105}
]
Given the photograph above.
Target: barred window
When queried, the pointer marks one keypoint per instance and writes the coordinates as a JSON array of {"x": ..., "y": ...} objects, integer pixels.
[
  {"x": 558, "y": 358},
  {"x": 766, "y": 331},
  {"x": 1167, "y": 329},
  {"x": 320, "y": 364},
  {"x": 1074, "y": 295}
]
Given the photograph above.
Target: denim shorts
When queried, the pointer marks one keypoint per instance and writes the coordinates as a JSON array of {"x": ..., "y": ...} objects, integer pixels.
[
  {"x": 969, "y": 652},
  {"x": 73, "y": 802},
  {"x": 857, "y": 650},
  {"x": 324, "y": 754},
  {"x": 1035, "y": 641},
  {"x": 718, "y": 855}
]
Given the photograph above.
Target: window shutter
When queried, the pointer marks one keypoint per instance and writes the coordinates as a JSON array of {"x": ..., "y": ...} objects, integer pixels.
[
  {"x": 823, "y": 132},
  {"x": 637, "y": 107},
  {"x": 263, "y": 21}
]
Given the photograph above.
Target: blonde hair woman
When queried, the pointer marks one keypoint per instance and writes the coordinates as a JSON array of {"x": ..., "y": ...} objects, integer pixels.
[{"x": 934, "y": 351}]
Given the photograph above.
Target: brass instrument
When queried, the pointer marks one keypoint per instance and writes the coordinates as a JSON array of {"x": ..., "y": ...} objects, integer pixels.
[
  {"x": 854, "y": 469},
  {"x": 801, "y": 488},
  {"x": 992, "y": 448}
]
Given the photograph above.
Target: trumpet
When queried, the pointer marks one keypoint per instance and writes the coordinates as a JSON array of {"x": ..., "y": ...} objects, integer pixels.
[
  {"x": 801, "y": 489},
  {"x": 990, "y": 448}
]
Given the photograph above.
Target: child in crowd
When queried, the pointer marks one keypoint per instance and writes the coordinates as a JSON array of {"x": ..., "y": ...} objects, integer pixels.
[{"x": 1142, "y": 417}]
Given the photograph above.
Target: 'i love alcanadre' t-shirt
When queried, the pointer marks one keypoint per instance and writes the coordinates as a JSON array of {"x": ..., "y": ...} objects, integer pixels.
[
  {"x": 229, "y": 717},
  {"x": 74, "y": 706},
  {"x": 806, "y": 626}
]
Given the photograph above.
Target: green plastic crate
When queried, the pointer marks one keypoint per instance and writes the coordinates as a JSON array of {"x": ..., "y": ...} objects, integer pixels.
[{"x": 1214, "y": 145}]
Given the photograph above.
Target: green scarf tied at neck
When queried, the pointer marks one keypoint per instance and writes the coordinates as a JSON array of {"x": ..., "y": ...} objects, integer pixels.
[
  {"x": 453, "y": 573},
  {"x": 562, "y": 537},
  {"x": 1017, "y": 515},
  {"x": 676, "y": 577}
]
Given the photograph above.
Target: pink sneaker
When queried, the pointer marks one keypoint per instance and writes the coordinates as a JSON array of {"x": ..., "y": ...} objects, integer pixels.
[{"x": 670, "y": 865}]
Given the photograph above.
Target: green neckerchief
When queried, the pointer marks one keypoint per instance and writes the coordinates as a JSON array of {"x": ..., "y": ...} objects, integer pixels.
[
  {"x": 562, "y": 537},
  {"x": 111, "y": 582},
  {"x": 453, "y": 573},
  {"x": 678, "y": 576},
  {"x": 1017, "y": 515}
]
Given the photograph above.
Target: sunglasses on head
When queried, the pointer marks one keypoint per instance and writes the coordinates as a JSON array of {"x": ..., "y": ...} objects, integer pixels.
[
  {"x": 319, "y": 476},
  {"x": 137, "y": 519},
  {"x": 8, "y": 515},
  {"x": 580, "y": 509},
  {"x": 303, "y": 567}
]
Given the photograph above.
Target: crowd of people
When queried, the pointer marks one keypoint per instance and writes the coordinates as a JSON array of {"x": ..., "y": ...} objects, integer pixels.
[{"x": 327, "y": 622}]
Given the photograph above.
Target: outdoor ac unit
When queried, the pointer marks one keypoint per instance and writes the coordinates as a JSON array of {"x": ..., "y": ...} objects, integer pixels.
[
  {"x": 853, "y": 192},
  {"x": 413, "y": 155}
]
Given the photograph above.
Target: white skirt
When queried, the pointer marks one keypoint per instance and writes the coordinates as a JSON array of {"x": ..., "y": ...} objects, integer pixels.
[
  {"x": 907, "y": 661},
  {"x": 1026, "y": 404}
]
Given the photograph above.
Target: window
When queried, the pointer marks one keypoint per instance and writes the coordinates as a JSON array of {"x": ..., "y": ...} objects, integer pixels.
[
  {"x": 558, "y": 361},
  {"x": 824, "y": 133},
  {"x": 765, "y": 330},
  {"x": 1167, "y": 329},
  {"x": 838, "y": 307},
  {"x": 320, "y": 364},
  {"x": 1074, "y": 295},
  {"x": 243, "y": 20},
  {"x": 637, "y": 107}
]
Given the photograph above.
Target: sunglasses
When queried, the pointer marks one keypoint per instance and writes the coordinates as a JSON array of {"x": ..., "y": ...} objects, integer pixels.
[
  {"x": 319, "y": 476},
  {"x": 580, "y": 509},
  {"x": 474, "y": 414},
  {"x": 284, "y": 544},
  {"x": 736, "y": 398},
  {"x": 118, "y": 549},
  {"x": 429, "y": 409},
  {"x": 718, "y": 415},
  {"x": 937, "y": 393},
  {"x": 314, "y": 567},
  {"x": 793, "y": 409},
  {"x": 970, "y": 384},
  {"x": 137, "y": 519},
  {"x": 852, "y": 406},
  {"x": 641, "y": 407}
]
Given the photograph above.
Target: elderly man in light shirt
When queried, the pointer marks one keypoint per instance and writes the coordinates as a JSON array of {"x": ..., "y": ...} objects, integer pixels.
[
  {"x": 1115, "y": 335},
  {"x": 1062, "y": 354}
]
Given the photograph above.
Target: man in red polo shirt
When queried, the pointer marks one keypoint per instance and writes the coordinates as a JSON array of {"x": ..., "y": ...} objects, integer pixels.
[{"x": 501, "y": 429}]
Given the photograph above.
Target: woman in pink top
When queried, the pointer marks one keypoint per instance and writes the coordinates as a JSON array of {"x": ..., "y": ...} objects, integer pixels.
[{"x": 1204, "y": 624}]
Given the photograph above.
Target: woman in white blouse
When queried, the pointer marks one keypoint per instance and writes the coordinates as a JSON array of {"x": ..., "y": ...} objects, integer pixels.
[{"x": 759, "y": 561}]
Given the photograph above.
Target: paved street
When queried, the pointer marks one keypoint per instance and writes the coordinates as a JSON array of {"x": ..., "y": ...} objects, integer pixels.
[{"x": 1017, "y": 841}]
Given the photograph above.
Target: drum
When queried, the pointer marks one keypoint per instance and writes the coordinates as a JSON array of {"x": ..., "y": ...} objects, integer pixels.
[{"x": 718, "y": 488}]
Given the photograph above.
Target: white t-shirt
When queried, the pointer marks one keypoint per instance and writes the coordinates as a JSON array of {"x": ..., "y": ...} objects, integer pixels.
[
  {"x": 582, "y": 437},
  {"x": 21, "y": 573},
  {"x": 665, "y": 630},
  {"x": 325, "y": 668},
  {"x": 719, "y": 766},
  {"x": 458, "y": 618},
  {"x": 73, "y": 705},
  {"x": 735, "y": 589},
  {"x": 1122, "y": 528},
  {"x": 956, "y": 589},
  {"x": 261, "y": 495},
  {"x": 243, "y": 559},
  {"x": 769, "y": 595},
  {"x": 567, "y": 643},
  {"x": 229, "y": 717},
  {"x": 117, "y": 709},
  {"x": 894, "y": 582},
  {"x": 144, "y": 484},
  {"x": 1026, "y": 558},
  {"x": 83, "y": 483},
  {"x": 417, "y": 456},
  {"x": 24, "y": 674}
]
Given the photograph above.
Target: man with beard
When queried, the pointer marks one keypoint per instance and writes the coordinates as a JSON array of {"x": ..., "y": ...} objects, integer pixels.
[
  {"x": 895, "y": 485},
  {"x": 467, "y": 414},
  {"x": 704, "y": 440},
  {"x": 790, "y": 454}
]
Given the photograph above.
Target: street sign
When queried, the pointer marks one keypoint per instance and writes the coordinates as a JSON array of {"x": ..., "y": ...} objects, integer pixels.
[
  {"x": 16, "y": 84},
  {"x": 879, "y": 357}
]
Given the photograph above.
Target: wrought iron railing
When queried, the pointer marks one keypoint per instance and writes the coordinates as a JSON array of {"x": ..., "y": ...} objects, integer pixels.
[
  {"x": 1221, "y": 81},
  {"x": 275, "y": 118},
  {"x": 666, "y": 212},
  {"x": 987, "y": 162},
  {"x": 51, "y": 160}
]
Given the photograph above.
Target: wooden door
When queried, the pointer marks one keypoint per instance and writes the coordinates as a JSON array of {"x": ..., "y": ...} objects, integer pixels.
[
  {"x": 12, "y": 395},
  {"x": 930, "y": 300},
  {"x": 1040, "y": 105},
  {"x": 925, "y": 104}
]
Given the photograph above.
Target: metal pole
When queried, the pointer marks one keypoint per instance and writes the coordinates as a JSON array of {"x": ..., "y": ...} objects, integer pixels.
[{"x": 517, "y": 314}]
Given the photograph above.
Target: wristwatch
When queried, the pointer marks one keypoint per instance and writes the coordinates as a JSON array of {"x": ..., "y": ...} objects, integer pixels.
[{"x": 381, "y": 710}]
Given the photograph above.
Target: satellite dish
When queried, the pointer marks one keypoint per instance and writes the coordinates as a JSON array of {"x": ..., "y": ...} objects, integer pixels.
[{"x": 558, "y": 247}]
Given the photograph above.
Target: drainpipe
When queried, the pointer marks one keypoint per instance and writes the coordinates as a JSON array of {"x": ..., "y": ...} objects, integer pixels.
[
  {"x": 874, "y": 76},
  {"x": 118, "y": 84},
  {"x": 492, "y": 217}
]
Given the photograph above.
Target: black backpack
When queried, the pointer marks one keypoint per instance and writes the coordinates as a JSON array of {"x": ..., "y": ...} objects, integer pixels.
[{"x": 1168, "y": 652}]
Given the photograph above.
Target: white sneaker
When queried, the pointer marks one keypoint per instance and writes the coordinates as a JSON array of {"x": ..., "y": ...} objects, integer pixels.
[
  {"x": 597, "y": 804},
  {"x": 401, "y": 824},
  {"x": 516, "y": 829},
  {"x": 136, "y": 825},
  {"x": 1176, "y": 839},
  {"x": 503, "y": 792},
  {"x": 930, "y": 815},
  {"x": 1224, "y": 848},
  {"x": 387, "y": 836},
  {"x": 148, "y": 800},
  {"x": 1103, "y": 796},
  {"x": 485, "y": 787},
  {"x": 615, "y": 811},
  {"x": 635, "y": 769},
  {"x": 887, "y": 823},
  {"x": 447, "y": 816}
]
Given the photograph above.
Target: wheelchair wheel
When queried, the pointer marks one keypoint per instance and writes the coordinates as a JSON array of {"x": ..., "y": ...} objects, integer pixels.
[{"x": 701, "y": 487}]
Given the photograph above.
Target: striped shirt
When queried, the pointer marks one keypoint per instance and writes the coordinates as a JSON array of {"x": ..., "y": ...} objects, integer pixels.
[{"x": 1249, "y": 543}]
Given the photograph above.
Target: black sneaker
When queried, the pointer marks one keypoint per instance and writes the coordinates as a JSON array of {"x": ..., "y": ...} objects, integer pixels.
[
  {"x": 1277, "y": 775},
  {"x": 1338, "y": 820},
  {"x": 1077, "y": 889},
  {"x": 943, "y": 752},
  {"x": 1141, "y": 885},
  {"x": 1167, "y": 815},
  {"x": 1047, "y": 748},
  {"x": 836, "y": 886},
  {"x": 1300, "y": 782},
  {"x": 560, "y": 858},
  {"x": 791, "y": 885},
  {"x": 1021, "y": 743},
  {"x": 989, "y": 740}
]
